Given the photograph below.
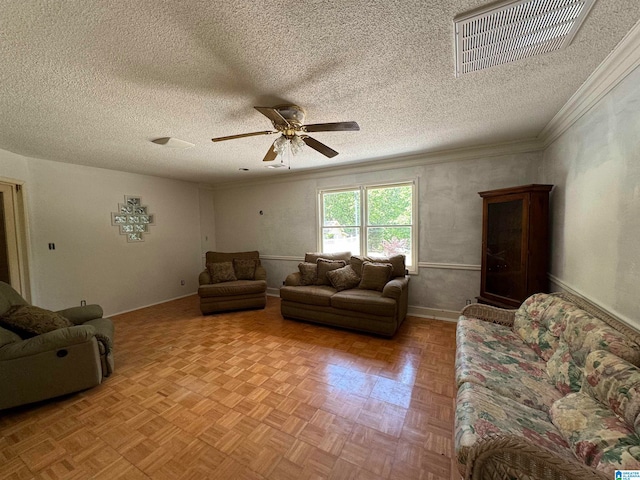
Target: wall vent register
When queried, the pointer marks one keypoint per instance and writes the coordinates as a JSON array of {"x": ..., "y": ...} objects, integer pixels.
[{"x": 508, "y": 31}]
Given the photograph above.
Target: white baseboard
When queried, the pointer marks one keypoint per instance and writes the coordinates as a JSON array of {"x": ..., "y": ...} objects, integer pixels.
[
  {"x": 437, "y": 313},
  {"x": 150, "y": 305}
]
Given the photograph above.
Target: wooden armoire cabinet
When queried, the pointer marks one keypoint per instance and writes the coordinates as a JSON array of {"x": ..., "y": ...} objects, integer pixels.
[{"x": 515, "y": 244}]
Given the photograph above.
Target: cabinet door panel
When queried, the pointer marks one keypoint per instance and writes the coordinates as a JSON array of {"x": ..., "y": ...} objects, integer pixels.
[{"x": 504, "y": 249}]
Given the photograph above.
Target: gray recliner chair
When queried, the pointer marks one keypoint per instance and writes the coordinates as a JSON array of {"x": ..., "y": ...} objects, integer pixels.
[{"x": 55, "y": 363}]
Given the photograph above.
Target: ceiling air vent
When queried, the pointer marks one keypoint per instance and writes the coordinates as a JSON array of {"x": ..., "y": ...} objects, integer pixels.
[{"x": 508, "y": 31}]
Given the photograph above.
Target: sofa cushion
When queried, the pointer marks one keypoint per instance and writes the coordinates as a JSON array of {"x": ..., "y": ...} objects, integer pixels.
[
  {"x": 308, "y": 273},
  {"x": 325, "y": 266},
  {"x": 343, "y": 278},
  {"x": 28, "y": 321},
  {"x": 312, "y": 257},
  {"x": 539, "y": 321},
  {"x": 221, "y": 272},
  {"x": 309, "y": 294},
  {"x": 512, "y": 375},
  {"x": 563, "y": 371},
  {"x": 375, "y": 275},
  {"x": 245, "y": 268},
  {"x": 7, "y": 337},
  {"x": 492, "y": 337},
  {"x": 481, "y": 412},
  {"x": 234, "y": 287},
  {"x": 366, "y": 301},
  {"x": 543, "y": 321},
  {"x": 397, "y": 261},
  {"x": 591, "y": 429},
  {"x": 615, "y": 383}
]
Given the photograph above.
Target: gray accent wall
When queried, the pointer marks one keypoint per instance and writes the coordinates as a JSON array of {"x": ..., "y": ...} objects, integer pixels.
[
  {"x": 450, "y": 220},
  {"x": 595, "y": 205}
]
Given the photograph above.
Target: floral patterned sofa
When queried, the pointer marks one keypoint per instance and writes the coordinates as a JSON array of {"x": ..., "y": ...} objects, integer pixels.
[{"x": 551, "y": 390}]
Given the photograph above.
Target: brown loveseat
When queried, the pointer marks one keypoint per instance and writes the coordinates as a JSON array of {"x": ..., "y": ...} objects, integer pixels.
[
  {"x": 369, "y": 303},
  {"x": 232, "y": 281}
]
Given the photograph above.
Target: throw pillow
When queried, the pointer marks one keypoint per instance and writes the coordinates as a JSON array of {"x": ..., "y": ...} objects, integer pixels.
[
  {"x": 29, "y": 321},
  {"x": 375, "y": 275},
  {"x": 397, "y": 261},
  {"x": 325, "y": 266},
  {"x": 245, "y": 268},
  {"x": 343, "y": 278},
  {"x": 308, "y": 273},
  {"x": 221, "y": 272}
]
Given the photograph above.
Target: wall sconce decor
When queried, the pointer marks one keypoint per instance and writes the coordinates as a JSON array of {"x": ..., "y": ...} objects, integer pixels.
[{"x": 132, "y": 218}]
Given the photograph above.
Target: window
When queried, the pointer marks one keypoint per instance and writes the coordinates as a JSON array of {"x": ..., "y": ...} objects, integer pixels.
[{"x": 377, "y": 220}]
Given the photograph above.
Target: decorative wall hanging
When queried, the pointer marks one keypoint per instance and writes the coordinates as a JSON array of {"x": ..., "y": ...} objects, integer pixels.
[{"x": 133, "y": 219}]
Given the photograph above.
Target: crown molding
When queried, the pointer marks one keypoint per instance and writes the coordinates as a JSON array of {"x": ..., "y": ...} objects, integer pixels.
[
  {"x": 393, "y": 163},
  {"x": 624, "y": 58}
]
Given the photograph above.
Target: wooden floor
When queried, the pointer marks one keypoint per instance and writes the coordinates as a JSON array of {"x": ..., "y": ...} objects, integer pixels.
[{"x": 247, "y": 395}]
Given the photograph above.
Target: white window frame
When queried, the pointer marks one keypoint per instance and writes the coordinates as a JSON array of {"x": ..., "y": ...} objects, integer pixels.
[{"x": 363, "y": 188}]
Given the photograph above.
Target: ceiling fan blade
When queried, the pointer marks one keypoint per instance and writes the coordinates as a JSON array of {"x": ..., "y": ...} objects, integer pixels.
[
  {"x": 241, "y": 135},
  {"x": 333, "y": 127},
  {"x": 271, "y": 154},
  {"x": 320, "y": 147},
  {"x": 273, "y": 115}
]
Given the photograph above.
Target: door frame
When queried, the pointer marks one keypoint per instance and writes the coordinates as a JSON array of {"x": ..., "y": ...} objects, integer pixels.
[{"x": 16, "y": 231}]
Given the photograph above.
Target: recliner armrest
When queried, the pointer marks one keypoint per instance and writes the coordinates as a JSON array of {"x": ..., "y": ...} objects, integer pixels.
[
  {"x": 393, "y": 288},
  {"x": 54, "y": 340},
  {"x": 81, "y": 314}
]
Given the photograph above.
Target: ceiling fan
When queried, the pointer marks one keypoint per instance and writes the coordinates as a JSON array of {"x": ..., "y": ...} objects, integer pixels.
[{"x": 288, "y": 120}]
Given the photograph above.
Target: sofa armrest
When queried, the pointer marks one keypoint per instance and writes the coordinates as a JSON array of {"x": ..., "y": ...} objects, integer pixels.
[
  {"x": 492, "y": 456},
  {"x": 293, "y": 280},
  {"x": 394, "y": 287},
  {"x": 56, "y": 339},
  {"x": 81, "y": 314},
  {"x": 261, "y": 273},
  {"x": 204, "y": 278},
  {"x": 489, "y": 314}
]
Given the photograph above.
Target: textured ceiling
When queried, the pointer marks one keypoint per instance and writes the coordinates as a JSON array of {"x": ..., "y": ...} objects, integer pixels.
[{"x": 92, "y": 82}]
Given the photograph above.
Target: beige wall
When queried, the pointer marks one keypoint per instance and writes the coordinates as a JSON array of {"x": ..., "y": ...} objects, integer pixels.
[
  {"x": 70, "y": 205},
  {"x": 595, "y": 166}
]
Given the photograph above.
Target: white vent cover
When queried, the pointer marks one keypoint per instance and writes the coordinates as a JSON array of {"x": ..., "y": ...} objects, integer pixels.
[{"x": 508, "y": 31}]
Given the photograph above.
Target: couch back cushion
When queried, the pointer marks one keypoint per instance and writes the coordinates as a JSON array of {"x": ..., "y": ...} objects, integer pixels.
[
  {"x": 219, "y": 257},
  {"x": 396, "y": 261},
  {"x": 548, "y": 323},
  {"x": 615, "y": 383},
  {"x": 7, "y": 337},
  {"x": 312, "y": 257}
]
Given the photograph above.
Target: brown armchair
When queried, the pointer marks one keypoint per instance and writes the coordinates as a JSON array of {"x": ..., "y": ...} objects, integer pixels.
[{"x": 232, "y": 281}]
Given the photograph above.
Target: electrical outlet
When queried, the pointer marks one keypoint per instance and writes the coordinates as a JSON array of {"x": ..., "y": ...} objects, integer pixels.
[
  {"x": 182, "y": 282},
  {"x": 468, "y": 301},
  {"x": 83, "y": 303}
]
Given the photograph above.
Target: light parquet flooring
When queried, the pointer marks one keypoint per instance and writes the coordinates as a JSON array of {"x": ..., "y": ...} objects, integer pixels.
[{"x": 247, "y": 395}]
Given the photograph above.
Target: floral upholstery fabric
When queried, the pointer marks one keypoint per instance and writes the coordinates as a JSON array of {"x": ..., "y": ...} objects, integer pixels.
[
  {"x": 538, "y": 323},
  {"x": 563, "y": 371},
  {"x": 544, "y": 321},
  {"x": 584, "y": 334},
  {"x": 512, "y": 376},
  {"x": 615, "y": 383},
  {"x": 481, "y": 412},
  {"x": 594, "y": 432},
  {"x": 492, "y": 337}
]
